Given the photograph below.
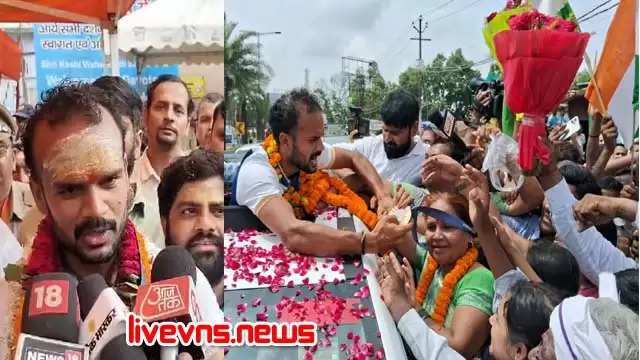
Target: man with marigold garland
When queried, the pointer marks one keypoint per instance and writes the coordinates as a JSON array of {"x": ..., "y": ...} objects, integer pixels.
[
  {"x": 283, "y": 183},
  {"x": 74, "y": 147}
]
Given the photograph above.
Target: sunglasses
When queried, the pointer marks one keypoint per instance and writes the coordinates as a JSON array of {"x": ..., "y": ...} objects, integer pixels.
[{"x": 447, "y": 219}]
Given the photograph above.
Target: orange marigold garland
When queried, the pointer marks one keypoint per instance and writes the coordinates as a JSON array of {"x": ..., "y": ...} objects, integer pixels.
[
  {"x": 463, "y": 264},
  {"x": 319, "y": 186}
]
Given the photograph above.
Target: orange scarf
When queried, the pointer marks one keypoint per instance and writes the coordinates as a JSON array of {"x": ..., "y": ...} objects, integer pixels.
[
  {"x": 318, "y": 186},
  {"x": 463, "y": 264}
]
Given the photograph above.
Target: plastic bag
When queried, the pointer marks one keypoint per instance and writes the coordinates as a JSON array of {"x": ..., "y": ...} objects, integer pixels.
[{"x": 502, "y": 163}]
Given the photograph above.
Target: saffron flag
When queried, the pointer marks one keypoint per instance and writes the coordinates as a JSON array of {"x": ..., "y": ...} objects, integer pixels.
[{"x": 616, "y": 71}]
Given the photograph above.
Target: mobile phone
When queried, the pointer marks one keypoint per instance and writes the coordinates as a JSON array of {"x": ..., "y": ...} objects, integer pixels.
[
  {"x": 573, "y": 127},
  {"x": 449, "y": 122}
]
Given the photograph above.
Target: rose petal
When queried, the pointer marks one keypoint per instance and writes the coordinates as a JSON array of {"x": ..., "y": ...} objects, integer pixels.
[
  {"x": 256, "y": 302},
  {"x": 242, "y": 307},
  {"x": 262, "y": 316}
]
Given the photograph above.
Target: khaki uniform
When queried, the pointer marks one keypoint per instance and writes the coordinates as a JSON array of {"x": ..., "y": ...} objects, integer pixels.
[{"x": 21, "y": 202}]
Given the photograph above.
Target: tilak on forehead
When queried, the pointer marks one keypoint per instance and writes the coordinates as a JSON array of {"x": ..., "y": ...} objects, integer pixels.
[{"x": 83, "y": 157}]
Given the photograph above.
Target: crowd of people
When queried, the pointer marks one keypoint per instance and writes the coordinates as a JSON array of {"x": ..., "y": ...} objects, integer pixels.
[
  {"x": 94, "y": 180},
  {"x": 546, "y": 271}
]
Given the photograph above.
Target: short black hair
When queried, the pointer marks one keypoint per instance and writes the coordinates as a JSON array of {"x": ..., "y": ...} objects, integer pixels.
[
  {"x": 582, "y": 179},
  {"x": 283, "y": 116},
  {"x": 528, "y": 311},
  {"x": 400, "y": 109},
  {"x": 568, "y": 151},
  {"x": 627, "y": 284},
  {"x": 555, "y": 265},
  {"x": 168, "y": 78},
  {"x": 119, "y": 88},
  {"x": 610, "y": 183},
  {"x": 63, "y": 101},
  {"x": 197, "y": 166}
]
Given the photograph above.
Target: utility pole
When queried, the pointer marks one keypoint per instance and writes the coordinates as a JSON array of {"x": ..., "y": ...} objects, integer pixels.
[
  {"x": 420, "y": 39},
  {"x": 420, "y": 62}
]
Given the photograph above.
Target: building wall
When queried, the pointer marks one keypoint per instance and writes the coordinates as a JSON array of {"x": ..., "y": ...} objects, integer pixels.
[{"x": 213, "y": 75}]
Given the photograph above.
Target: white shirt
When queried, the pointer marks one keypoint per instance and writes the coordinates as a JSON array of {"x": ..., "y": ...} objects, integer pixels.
[
  {"x": 258, "y": 181},
  {"x": 593, "y": 252},
  {"x": 11, "y": 249},
  {"x": 425, "y": 343},
  {"x": 405, "y": 169}
]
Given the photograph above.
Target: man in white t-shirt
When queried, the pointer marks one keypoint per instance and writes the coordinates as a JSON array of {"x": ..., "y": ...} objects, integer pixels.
[
  {"x": 397, "y": 154},
  {"x": 297, "y": 122}
]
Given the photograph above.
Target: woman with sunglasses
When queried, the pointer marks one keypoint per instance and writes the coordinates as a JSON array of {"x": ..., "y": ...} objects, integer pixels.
[{"x": 454, "y": 292}]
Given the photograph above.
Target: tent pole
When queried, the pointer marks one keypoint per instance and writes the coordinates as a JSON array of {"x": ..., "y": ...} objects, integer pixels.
[{"x": 115, "y": 55}]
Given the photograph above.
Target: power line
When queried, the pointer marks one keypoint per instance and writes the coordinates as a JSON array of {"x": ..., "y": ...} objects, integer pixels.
[
  {"x": 441, "y": 6},
  {"x": 594, "y": 9},
  {"x": 456, "y": 12},
  {"x": 598, "y": 13}
]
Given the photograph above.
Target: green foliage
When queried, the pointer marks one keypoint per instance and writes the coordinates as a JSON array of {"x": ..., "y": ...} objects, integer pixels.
[
  {"x": 443, "y": 83},
  {"x": 244, "y": 78},
  {"x": 581, "y": 77}
]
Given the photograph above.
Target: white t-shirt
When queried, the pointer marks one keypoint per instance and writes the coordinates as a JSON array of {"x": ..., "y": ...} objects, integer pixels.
[
  {"x": 11, "y": 249},
  {"x": 257, "y": 180},
  {"x": 405, "y": 169}
]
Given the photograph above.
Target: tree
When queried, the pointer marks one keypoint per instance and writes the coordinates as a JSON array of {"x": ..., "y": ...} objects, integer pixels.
[
  {"x": 333, "y": 98},
  {"x": 581, "y": 78},
  {"x": 368, "y": 90},
  {"x": 244, "y": 76},
  {"x": 496, "y": 71},
  {"x": 444, "y": 83}
]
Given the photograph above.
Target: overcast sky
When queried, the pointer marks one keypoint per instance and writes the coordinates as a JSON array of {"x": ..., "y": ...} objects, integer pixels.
[{"x": 316, "y": 34}]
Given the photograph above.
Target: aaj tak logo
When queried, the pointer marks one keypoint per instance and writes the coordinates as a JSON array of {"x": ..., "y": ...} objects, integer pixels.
[{"x": 166, "y": 299}]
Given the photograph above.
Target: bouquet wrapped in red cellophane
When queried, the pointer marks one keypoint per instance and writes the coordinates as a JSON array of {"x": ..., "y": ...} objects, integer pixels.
[{"x": 540, "y": 56}]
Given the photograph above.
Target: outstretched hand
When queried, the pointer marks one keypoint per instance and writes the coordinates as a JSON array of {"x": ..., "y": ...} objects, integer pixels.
[{"x": 392, "y": 286}]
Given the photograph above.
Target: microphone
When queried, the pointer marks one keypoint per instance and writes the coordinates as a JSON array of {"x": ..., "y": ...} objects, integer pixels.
[
  {"x": 105, "y": 320},
  {"x": 31, "y": 347},
  {"x": 50, "y": 319},
  {"x": 173, "y": 295}
]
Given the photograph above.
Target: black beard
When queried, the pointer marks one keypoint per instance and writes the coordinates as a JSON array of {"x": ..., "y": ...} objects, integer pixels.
[
  {"x": 211, "y": 263},
  {"x": 298, "y": 161},
  {"x": 394, "y": 151},
  {"x": 89, "y": 225}
]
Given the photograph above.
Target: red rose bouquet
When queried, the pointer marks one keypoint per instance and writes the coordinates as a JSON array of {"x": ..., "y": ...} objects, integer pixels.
[{"x": 540, "y": 56}]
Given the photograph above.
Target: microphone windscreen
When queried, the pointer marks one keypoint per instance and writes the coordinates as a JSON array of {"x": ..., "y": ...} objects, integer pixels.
[
  {"x": 117, "y": 349},
  {"x": 89, "y": 289},
  {"x": 50, "y": 308},
  {"x": 171, "y": 262}
]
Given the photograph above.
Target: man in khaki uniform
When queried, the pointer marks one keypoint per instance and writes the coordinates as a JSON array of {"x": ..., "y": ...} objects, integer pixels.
[{"x": 15, "y": 197}]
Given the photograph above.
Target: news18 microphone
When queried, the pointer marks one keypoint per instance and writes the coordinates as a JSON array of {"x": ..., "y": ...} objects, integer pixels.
[
  {"x": 104, "y": 315},
  {"x": 174, "y": 296},
  {"x": 50, "y": 318}
]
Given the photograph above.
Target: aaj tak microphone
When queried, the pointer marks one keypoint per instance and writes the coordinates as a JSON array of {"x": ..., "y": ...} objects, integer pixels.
[
  {"x": 105, "y": 320},
  {"x": 179, "y": 292},
  {"x": 50, "y": 318}
]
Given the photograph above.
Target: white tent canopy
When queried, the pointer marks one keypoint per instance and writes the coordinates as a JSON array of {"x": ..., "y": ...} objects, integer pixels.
[{"x": 174, "y": 32}]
